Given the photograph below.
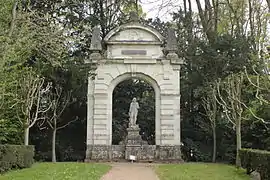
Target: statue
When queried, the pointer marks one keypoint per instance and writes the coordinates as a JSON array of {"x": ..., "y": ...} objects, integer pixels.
[
  {"x": 133, "y": 112},
  {"x": 171, "y": 40},
  {"x": 96, "y": 40}
]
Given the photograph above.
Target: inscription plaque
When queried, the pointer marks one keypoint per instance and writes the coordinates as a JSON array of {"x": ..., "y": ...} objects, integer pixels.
[{"x": 133, "y": 52}]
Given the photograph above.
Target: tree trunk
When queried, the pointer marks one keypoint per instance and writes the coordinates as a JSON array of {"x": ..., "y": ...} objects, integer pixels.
[
  {"x": 238, "y": 141},
  {"x": 214, "y": 142},
  {"x": 26, "y": 136},
  {"x": 268, "y": 2},
  {"x": 53, "y": 145},
  {"x": 189, "y": 6},
  {"x": 204, "y": 20},
  {"x": 185, "y": 7},
  {"x": 12, "y": 24}
]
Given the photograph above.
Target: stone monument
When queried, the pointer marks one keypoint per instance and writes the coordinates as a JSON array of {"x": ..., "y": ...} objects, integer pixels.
[
  {"x": 133, "y": 139},
  {"x": 133, "y": 50}
]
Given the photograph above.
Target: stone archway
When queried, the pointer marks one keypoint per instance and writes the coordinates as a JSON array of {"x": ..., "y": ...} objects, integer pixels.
[
  {"x": 134, "y": 50},
  {"x": 156, "y": 88}
]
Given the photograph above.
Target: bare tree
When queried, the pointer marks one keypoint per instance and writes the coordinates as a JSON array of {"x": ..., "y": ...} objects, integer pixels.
[
  {"x": 31, "y": 92},
  {"x": 229, "y": 96},
  {"x": 59, "y": 100}
]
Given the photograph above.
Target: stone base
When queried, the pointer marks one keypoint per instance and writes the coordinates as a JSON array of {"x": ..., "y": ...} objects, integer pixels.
[
  {"x": 142, "y": 152},
  {"x": 103, "y": 152},
  {"x": 134, "y": 137},
  {"x": 169, "y": 152}
]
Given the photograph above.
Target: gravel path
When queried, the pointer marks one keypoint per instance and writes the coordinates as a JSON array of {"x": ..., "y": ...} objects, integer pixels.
[{"x": 131, "y": 171}]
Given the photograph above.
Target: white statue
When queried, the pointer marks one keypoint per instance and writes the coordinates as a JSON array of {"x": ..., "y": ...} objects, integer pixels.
[{"x": 133, "y": 112}]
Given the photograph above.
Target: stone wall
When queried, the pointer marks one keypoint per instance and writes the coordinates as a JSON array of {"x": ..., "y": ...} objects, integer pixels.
[{"x": 142, "y": 153}]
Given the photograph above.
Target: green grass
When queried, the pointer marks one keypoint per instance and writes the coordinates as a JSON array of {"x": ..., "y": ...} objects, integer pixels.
[
  {"x": 200, "y": 171},
  {"x": 58, "y": 171}
]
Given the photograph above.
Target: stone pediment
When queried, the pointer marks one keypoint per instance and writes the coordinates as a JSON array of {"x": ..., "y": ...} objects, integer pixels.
[
  {"x": 134, "y": 33},
  {"x": 134, "y": 41}
]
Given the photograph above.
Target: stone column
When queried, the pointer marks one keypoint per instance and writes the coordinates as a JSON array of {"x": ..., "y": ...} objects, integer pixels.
[
  {"x": 157, "y": 118},
  {"x": 177, "y": 109},
  {"x": 90, "y": 116}
]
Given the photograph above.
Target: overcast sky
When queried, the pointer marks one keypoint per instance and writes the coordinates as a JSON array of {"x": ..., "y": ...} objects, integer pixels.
[{"x": 163, "y": 8}]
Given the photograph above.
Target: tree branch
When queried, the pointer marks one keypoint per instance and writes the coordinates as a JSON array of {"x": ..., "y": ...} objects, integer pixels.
[{"x": 61, "y": 127}]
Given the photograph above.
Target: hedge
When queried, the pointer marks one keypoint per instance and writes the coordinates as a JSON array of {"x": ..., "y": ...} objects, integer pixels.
[
  {"x": 15, "y": 157},
  {"x": 256, "y": 160}
]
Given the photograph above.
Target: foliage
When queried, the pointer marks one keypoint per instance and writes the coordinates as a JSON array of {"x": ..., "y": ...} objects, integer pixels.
[
  {"x": 15, "y": 157},
  {"x": 32, "y": 41},
  {"x": 72, "y": 78},
  {"x": 122, "y": 96},
  {"x": 5, "y": 16},
  {"x": 10, "y": 132},
  {"x": 69, "y": 171},
  {"x": 11, "y": 129},
  {"x": 214, "y": 45},
  {"x": 256, "y": 160},
  {"x": 132, "y": 5},
  {"x": 200, "y": 171}
]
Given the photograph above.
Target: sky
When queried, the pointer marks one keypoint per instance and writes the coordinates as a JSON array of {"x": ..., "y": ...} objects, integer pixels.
[{"x": 163, "y": 8}]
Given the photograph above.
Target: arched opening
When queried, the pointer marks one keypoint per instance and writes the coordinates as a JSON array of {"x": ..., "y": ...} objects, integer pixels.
[
  {"x": 151, "y": 82},
  {"x": 122, "y": 96}
]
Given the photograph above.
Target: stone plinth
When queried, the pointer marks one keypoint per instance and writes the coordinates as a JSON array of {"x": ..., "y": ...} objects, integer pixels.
[
  {"x": 134, "y": 137},
  {"x": 134, "y": 143}
]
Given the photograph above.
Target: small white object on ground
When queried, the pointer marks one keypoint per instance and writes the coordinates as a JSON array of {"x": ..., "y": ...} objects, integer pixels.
[{"x": 132, "y": 158}]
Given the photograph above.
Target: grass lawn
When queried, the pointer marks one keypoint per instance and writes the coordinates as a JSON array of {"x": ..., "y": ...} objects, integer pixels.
[
  {"x": 58, "y": 171},
  {"x": 200, "y": 171}
]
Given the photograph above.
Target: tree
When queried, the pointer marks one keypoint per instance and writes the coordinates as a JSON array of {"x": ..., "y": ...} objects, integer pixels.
[
  {"x": 260, "y": 80},
  {"x": 211, "y": 108},
  {"x": 29, "y": 42},
  {"x": 31, "y": 95},
  {"x": 59, "y": 101},
  {"x": 229, "y": 96},
  {"x": 259, "y": 76}
]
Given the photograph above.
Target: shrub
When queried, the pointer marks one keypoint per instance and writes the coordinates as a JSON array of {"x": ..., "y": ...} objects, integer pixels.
[
  {"x": 256, "y": 160},
  {"x": 15, "y": 157}
]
